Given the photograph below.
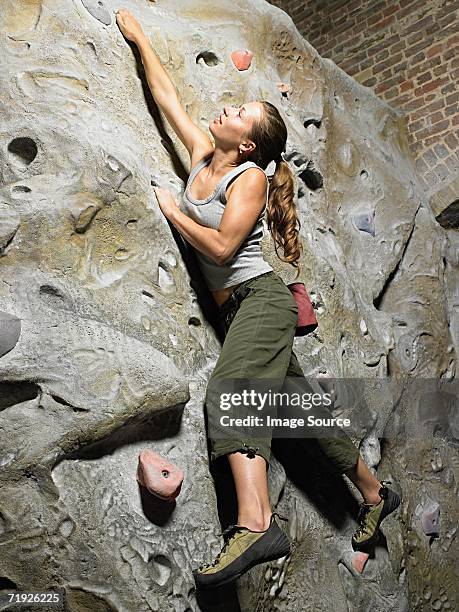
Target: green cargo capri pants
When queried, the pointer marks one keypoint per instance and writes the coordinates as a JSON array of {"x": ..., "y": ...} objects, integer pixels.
[{"x": 259, "y": 321}]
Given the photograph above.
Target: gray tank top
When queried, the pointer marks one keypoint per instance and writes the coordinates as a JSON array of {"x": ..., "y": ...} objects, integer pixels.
[{"x": 248, "y": 260}]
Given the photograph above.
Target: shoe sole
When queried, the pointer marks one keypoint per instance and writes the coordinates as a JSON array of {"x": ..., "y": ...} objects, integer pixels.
[
  {"x": 387, "y": 509},
  {"x": 284, "y": 552}
]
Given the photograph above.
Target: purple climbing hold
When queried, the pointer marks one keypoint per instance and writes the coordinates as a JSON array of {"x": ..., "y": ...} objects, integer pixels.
[
  {"x": 10, "y": 330},
  {"x": 430, "y": 520},
  {"x": 97, "y": 10},
  {"x": 365, "y": 222}
]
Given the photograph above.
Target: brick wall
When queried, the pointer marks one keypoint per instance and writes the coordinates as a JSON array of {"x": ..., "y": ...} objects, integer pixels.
[{"x": 407, "y": 51}]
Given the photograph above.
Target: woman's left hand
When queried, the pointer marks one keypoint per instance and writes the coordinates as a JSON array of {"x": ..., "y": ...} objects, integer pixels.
[{"x": 166, "y": 201}]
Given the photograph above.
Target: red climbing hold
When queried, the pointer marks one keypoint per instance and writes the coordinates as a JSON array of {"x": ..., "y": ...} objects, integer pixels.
[
  {"x": 159, "y": 476},
  {"x": 242, "y": 58}
]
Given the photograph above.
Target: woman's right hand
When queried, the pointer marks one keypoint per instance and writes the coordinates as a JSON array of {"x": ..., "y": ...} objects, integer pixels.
[{"x": 129, "y": 26}]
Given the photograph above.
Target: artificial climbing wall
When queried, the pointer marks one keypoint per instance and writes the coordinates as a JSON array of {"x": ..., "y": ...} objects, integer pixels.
[{"x": 105, "y": 347}]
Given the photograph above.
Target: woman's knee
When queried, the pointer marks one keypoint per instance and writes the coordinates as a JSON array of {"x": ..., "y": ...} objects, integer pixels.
[{"x": 250, "y": 448}]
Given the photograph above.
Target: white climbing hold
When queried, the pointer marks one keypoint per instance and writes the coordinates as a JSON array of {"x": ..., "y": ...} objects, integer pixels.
[
  {"x": 430, "y": 519},
  {"x": 97, "y": 9}
]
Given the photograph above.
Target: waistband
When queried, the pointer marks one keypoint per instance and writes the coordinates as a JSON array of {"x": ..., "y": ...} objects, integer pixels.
[{"x": 241, "y": 292}]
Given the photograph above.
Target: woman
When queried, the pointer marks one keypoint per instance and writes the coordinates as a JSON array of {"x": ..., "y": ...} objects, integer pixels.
[{"x": 224, "y": 202}]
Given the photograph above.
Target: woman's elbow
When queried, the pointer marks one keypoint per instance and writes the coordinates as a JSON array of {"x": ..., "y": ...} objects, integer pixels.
[
  {"x": 223, "y": 256},
  {"x": 220, "y": 259}
]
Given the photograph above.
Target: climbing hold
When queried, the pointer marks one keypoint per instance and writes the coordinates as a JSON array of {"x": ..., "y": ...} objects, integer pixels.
[
  {"x": 242, "y": 58},
  {"x": 83, "y": 206},
  {"x": 119, "y": 174},
  {"x": 437, "y": 463},
  {"x": 430, "y": 519},
  {"x": 10, "y": 330},
  {"x": 407, "y": 352},
  {"x": 159, "y": 476},
  {"x": 165, "y": 279},
  {"x": 347, "y": 158},
  {"x": 86, "y": 216},
  {"x": 354, "y": 562},
  {"x": 97, "y": 10},
  {"x": 365, "y": 222},
  {"x": 284, "y": 88},
  {"x": 359, "y": 560}
]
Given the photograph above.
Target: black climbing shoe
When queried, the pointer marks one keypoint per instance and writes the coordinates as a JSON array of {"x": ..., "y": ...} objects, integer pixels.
[
  {"x": 243, "y": 549},
  {"x": 370, "y": 517}
]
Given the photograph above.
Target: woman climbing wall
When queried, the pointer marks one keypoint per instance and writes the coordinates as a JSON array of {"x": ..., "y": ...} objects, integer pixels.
[{"x": 225, "y": 198}]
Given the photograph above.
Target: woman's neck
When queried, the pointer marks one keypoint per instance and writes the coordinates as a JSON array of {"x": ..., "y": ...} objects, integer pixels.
[{"x": 222, "y": 162}]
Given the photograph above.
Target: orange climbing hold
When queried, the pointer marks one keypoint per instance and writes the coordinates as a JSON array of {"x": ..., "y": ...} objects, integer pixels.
[
  {"x": 284, "y": 88},
  {"x": 159, "y": 476},
  {"x": 242, "y": 58}
]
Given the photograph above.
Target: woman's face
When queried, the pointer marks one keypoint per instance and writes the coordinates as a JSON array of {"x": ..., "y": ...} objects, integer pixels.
[{"x": 229, "y": 129}]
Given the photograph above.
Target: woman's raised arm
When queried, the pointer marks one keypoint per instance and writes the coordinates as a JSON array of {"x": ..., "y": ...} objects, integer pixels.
[{"x": 162, "y": 88}]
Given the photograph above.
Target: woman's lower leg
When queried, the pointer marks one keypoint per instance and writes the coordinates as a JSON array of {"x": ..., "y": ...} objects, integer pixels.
[
  {"x": 365, "y": 481},
  {"x": 251, "y": 482}
]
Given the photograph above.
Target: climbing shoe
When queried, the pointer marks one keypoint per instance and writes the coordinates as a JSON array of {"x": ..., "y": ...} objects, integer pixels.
[
  {"x": 370, "y": 517},
  {"x": 242, "y": 550}
]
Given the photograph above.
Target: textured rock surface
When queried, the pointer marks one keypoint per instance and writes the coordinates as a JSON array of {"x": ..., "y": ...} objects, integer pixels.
[{"x": 114, "y": 345}]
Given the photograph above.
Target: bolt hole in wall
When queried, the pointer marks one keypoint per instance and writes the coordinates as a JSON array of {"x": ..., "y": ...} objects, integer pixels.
[
  {"x": 209, "y": 58},
  {"x": 311, "y": 177},
  {"x": 18, "y": 189},
  {"x": 17, "y": 392},
  {"x": 6, "y": 583},
  {"x": 22, "y": 151},
  {"x": 315, "y": 122}
]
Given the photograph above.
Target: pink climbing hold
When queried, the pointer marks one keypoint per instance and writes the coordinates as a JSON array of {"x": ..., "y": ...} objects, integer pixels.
[
  {"x": 159, "y": 476},
  {"x": 359, "y": 560},
  {"x": 242, "y": 58}
]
